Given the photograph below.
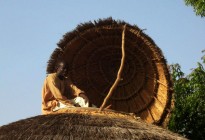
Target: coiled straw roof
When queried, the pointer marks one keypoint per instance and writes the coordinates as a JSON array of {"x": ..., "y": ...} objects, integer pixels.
[
  {"x": 93, "y": 52},
  {"x": 82, "y": 123}
]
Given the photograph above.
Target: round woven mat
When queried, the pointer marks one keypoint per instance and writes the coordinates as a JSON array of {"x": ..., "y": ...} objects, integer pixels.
[{"x": 93, "y": 52}]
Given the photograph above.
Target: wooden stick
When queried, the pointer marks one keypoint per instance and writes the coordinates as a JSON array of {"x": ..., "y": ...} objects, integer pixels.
[
  {"x": 119, "y": 72},
  {"x": 157, "y": 81}
]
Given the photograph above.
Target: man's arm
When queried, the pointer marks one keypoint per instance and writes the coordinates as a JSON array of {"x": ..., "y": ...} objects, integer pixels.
[
  {"x": 77, "y": 92},
  {"x": 56, "y": 92}
]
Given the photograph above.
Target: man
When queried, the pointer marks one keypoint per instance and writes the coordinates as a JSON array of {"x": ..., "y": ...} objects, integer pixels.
[{"x": 59, "y": 92}]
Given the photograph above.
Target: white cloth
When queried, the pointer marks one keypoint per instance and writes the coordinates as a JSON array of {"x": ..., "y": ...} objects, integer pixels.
[{"x": 79, "y": 101}]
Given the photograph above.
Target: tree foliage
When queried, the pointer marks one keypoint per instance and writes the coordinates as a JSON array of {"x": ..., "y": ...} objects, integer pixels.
[
  {"x": 188, "y": 115},
  {"x": 198, "y": 5}
]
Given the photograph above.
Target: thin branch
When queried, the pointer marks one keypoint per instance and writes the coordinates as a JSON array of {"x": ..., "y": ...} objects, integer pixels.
[{"x": 119, "y": 72}]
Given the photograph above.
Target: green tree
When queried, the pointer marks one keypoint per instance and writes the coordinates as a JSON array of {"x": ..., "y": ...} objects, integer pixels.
[
  {"x": 198, "y": 5},
  {"x": 188, "y": 115}
]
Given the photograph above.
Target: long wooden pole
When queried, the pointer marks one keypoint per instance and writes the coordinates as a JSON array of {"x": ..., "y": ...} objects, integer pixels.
[{"x": 119, "y": 72}]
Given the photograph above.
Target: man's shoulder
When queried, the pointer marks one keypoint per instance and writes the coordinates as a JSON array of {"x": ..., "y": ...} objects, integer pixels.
[{"x": 51, "y": 76}]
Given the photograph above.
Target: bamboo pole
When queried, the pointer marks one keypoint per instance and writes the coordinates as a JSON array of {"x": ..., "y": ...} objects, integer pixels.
[{"x": 119, "y": 72}]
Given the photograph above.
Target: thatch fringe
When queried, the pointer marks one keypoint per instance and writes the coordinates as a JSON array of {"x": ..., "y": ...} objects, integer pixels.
[
  {"x": 68, "y": 37},
  {"x": 83, "y": 27}
]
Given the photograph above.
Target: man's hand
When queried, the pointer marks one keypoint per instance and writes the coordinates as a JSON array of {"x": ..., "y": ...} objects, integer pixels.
[{"x": 70, "y": 105}]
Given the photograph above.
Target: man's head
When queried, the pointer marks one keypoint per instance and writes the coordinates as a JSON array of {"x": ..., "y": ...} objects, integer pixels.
[{"x": 61, "y": 69}]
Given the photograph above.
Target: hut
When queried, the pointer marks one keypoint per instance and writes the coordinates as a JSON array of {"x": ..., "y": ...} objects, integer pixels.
[
  {"x": 142, "y": 97},
  {"x": 93, "y": 52}
]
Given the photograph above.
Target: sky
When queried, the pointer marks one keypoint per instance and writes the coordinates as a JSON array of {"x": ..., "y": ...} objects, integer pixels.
[{"x": 30, "y": 30}]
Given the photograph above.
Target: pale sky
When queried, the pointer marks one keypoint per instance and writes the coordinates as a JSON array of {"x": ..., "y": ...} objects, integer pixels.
[{"x": 30, "y": 30}]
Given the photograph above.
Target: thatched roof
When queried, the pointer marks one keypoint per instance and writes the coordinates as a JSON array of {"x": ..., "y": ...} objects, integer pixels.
[
  {"x": 84, "y": 123},
  {"x": 93, "y": 52}
]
